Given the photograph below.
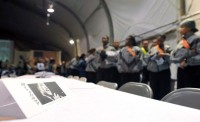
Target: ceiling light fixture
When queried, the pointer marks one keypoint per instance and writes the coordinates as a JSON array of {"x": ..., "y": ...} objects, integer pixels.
[
  {"x": 71, "y": 41},
  {"x": 50, "y": 9},
  {"x": 47, "y": 23}
]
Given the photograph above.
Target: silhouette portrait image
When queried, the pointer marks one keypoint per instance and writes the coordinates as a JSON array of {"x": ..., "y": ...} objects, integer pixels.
[{"x": 47, "y": 91}]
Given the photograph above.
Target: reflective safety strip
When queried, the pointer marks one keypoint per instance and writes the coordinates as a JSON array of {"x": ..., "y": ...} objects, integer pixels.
[
  {"x": 143, "y": 51},
  {"x": 185, "y": 44}
]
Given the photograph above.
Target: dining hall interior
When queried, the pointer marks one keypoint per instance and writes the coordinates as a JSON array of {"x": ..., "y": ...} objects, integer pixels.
[{"x": 99, "y": 60}]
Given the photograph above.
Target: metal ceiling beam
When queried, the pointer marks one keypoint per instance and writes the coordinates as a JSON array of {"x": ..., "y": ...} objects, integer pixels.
[
  {"x": 78, "y": 19},
  {"x": 110, "y": 22},
  {"x": 95, "y": 10},
  {"x": 43, "y": 15},
  {"x": 103, "y": 4}
]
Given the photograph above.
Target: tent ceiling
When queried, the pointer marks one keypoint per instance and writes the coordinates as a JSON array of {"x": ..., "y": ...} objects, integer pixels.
[
  {"x": 140, "y": 16},
  {"x": 86, "y": 20}
]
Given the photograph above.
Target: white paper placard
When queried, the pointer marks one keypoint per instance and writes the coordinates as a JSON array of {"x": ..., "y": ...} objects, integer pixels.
[{"x": 23, "y": 98}]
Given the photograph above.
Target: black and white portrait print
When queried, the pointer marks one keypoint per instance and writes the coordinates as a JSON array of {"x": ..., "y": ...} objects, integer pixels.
[{"x": 47, "y": 91}]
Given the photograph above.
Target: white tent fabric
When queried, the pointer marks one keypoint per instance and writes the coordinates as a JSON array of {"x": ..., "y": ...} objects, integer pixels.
[
  {"x": 131, "y": 17},
  {"x": 97, "y": 27},
  {"x": 139, "y": 16}
]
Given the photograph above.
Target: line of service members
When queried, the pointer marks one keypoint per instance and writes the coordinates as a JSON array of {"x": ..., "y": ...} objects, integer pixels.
[{"x": 112, "y": 64}]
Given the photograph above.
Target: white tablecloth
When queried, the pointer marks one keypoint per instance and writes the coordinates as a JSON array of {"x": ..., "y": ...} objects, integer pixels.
[{"x": 93, "y": 103}]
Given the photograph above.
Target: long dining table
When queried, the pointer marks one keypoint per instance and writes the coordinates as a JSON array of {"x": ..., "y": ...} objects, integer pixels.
[{"x": 93, "y": 103}]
